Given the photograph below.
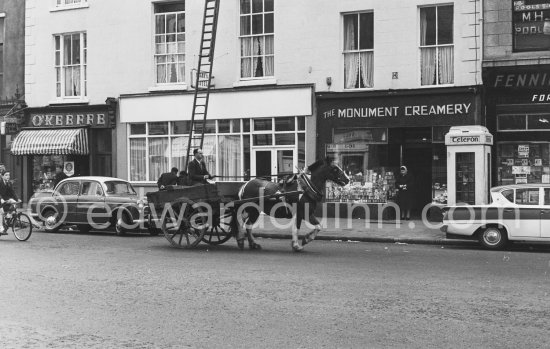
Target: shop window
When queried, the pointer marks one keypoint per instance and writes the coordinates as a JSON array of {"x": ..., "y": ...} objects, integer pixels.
[
  {"x": 285, "y": 124},
  {"x": 256, "y": 38},
  {"x": 158, "y": 157},
  {"x": 70, "y": 65},
  {"x": 511, "y": 122},
  {"x": 246, "y": 125},
  {"x": 301, "y": 150},
  {"x": 439, "y": 132},
  {"x": 358, "y": 50},
  {"x": 224, "y": 126},
  {"x": 439, "y": 174},
  {"x": 263, "y": 124},
  {"x": 230, "y": 157},
  {"x": 169, "y": 37},
  {"x": 285, "y": 139},
  {"x": 547, "y": 196},
  {"x": 301, "y": 123},
  {"x": 236, "y": 125},
  {"x": 158, "y": 128},
  {"x": 260, "y": 139},
  {"x": 538, "y": 122},
  {"x": 527, "y": 162},
  {"x": 436, "y": 45},
  {"x": 138, "y": 129},
  {"x": 181, "y": 127}
]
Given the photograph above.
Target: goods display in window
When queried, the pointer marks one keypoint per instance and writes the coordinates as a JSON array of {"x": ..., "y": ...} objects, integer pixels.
[
  {"x": 523, "y": 163},
  {"x": 376, "y": 186}
]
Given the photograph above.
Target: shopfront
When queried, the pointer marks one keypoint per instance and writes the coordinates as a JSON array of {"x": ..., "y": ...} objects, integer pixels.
[
  {"x": 79, "y": 139},
  {"x": 518, "y": 114},
  {"x": 248, "y": 132},
  {"x": 371, "y": 134}
]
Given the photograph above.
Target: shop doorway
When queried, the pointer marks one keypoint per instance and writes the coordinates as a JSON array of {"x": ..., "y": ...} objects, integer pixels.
[
  {"x": 273, "y": 163},
  {"x": 418, "y": 159}
]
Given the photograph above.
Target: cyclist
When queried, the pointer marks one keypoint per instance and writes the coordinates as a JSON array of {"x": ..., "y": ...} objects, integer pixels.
[{"x": 7, "y": 196}]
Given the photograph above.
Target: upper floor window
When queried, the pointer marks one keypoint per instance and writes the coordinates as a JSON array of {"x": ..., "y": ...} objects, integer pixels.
[
  {"x": 70, "y": 65},
  {"x": 358, "y": 50},
  {"x": 2, "y": 92},
  {"x": 256, "y": 37},
  {"x": 169, "y": 54},
  {"x": 436, "y": 45}
]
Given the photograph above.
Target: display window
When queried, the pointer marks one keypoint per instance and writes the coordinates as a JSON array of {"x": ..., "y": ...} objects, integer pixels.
[
  {"x": 523, "y": 162},
  {"x": 362, "y": 153},
  {"x": 44, "y": 171}
]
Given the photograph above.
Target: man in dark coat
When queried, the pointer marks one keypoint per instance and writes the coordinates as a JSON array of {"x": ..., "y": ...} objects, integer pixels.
[
  {"x": 59, "y": 175},
  {"x": 198, "y": 174},
  {"x": 7, "y": 197},
  {"x": 168, "y": 178}
]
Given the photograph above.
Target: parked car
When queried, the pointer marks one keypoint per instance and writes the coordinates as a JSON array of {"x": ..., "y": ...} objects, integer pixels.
[
  {"x": 519, "y": 212},
  {"x": 91, "y": 203}
]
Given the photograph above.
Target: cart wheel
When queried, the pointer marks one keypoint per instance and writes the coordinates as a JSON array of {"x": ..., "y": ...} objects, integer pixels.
[
  {"x": 222, "y": 229},
  {"x": 184, "y": 226}
]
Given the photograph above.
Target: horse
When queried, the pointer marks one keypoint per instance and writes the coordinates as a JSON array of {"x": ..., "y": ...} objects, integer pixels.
[{"x": 293, "y": 206}]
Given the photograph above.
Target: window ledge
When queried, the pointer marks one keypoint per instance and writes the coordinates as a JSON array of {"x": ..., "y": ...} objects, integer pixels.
[
  {"x": 441, "y": 85},
  {"x": 69, "y": 7},
  {"x": 70, "y": 101},
  {"x": 256, "y": 82},
  {"x": 175, "y": 87}
]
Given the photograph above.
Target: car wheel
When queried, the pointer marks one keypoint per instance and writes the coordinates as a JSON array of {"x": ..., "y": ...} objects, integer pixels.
[
  {"x": 121, "y": 223},
  {"x": 51, "y": 224},
  {"x": 493, "y": 238}
]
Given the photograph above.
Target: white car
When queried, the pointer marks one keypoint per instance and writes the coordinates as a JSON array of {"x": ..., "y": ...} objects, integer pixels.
[{"x": 519, "y": 212}]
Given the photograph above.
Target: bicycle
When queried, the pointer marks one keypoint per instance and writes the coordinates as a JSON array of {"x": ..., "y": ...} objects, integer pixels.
[{"x": 19, "y": 222}]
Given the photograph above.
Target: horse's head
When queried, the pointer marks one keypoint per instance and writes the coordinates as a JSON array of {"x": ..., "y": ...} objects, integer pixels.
[{"x": 326, "y": 169}]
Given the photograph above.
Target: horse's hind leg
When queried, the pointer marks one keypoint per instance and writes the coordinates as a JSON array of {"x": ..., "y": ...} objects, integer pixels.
[
  {"x": 295, "y": 229},
  {"x": 252, "y": 244}
]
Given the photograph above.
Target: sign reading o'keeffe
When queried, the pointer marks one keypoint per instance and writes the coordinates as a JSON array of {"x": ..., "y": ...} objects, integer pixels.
[{"x": 70, "y": 119}]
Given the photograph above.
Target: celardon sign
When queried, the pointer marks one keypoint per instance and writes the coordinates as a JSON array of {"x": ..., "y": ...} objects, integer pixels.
[
  {"x": 93, "y": 119},
  {"x": 469, "y": 140}
]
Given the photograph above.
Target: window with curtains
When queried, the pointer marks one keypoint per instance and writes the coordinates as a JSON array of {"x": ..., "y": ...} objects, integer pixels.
[
  {"x": 436, "y": 45},
  {"x": 169, "y": 54},
  {"x": 256, "y": 38},
  {"x": 70, "y": 65},
  {"x": 156, "y": 147},
  {"x": 358, "y": 50}
]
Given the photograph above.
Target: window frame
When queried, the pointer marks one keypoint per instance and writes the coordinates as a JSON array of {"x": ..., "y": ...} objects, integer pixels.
[
  {"x": 60, "y": 80},
  {"x": 358, "y": 50},
  {"x": 166, "y": 54},
  {"x": 251, "y": 35},
  {"x": 437, "y": 46},
  {"x": 245, "y": 136}
]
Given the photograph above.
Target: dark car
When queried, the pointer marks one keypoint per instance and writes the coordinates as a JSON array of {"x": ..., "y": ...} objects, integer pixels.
[{"x": 91, "y": 203}]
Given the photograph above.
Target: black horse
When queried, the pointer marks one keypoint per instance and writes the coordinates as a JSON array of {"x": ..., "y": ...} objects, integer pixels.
[{"x": 294, "y": 206}]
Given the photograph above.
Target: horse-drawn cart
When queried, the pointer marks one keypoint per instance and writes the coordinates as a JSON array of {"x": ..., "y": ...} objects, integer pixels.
[{"x": 188, "y": 215}]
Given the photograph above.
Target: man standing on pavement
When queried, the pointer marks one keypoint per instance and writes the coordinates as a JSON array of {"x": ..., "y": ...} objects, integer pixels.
[
  {"x": 198, "y": 174},
  {"x": 59, "y": 175},
  {"x": 7, "y": 197},
  {"x": 168, "y": 178}
]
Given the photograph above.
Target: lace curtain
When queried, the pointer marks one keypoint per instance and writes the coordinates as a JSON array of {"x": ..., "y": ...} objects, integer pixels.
[
  {"x": 158, "y": 159},
  {"x": 358, "y": 66},
  {"x": 138, "y": 159},
  {"x": 446, "y": 65},
  {"x": 230, "y": 157}
]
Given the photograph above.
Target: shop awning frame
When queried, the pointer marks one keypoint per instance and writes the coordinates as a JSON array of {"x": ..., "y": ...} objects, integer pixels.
[{"x": 68, "y": 141}]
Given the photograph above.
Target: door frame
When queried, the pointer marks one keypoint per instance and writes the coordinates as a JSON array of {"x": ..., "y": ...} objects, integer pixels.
[{"x": 274, "y": 165}]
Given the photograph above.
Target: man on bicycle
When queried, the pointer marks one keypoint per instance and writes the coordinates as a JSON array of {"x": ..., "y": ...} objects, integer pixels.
[{"x": 7, "y": 196}]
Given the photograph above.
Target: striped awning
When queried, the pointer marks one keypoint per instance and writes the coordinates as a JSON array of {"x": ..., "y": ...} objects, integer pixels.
[{"x": 52, "y": 142}]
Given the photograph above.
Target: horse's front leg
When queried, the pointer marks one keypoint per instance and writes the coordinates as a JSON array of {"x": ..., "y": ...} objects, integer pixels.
[
  {"x": 309, "y": 237},
  {"x": 252, "y": 244},
  {"x": 295, "y": 230}
]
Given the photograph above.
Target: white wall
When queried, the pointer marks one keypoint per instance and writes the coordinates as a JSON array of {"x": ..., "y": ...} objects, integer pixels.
[{"x": 308, "y": 44}]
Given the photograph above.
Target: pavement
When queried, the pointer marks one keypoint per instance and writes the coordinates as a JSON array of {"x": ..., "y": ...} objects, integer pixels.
[{"x": 414, "y": 231}]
